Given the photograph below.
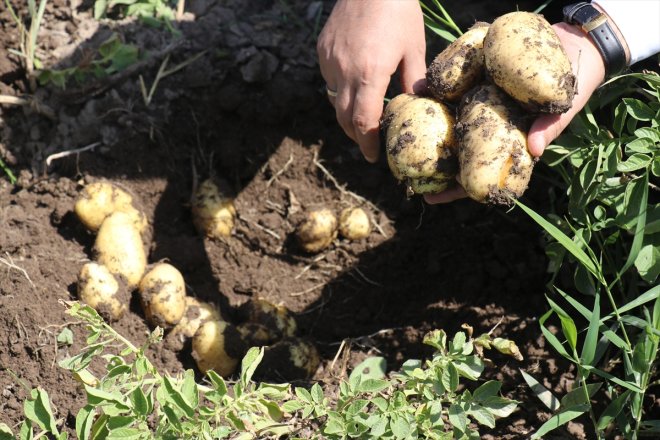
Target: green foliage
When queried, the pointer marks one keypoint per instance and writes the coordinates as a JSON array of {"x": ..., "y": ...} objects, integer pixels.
[
  {"x": 111, "y": 57},
  {"x": 607, "y": 233},
  {"x": 152, "y": 12},
  {"x": 5, "y": 169},
  {"x": 438, "y": 20},
  {"x": 130, "y": 399}
]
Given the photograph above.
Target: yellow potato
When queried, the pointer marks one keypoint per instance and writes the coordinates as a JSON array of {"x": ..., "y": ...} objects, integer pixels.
[
  {"x": 196, "y": 313},
  {"x": 393, "y": 107},
  {"x": 459, "y": 67},
  {"x": 495, "y": 164},
  {"x": 100, "y": 199},
  {"x": 99, "y": 289},
  {"x": 420, "y": 141},
  {"x": 354, "y": 223},
  {"x": 276, "y": 318},
  {"x": 163, "y": 295},
  {"x": 430, "y": 185},
  {"x": 317, "y": 231},
  {"x": 213, "y": 209},
  {"x": 256, "y": 335},
  {"x": 290, "y": 359},
  {"x": 119, "y": 247},
  {"x": 524, "y": 57},
  {"x": 217, "y": 346}
]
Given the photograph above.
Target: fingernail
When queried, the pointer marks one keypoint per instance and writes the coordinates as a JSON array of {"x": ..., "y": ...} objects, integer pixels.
[{"x": 371, "y": 159}]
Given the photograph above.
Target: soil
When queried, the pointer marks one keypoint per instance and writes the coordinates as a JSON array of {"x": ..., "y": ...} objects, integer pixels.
[{"x": 250, "y": 109}]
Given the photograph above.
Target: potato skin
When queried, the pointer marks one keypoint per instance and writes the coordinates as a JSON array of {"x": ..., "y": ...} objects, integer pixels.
[
  {"x": 100, "y": 199},
  {"x": 354, "y": 223},
  {"x": 317, "y": 231},
  {"x": 279, "y": 320},
  {"x": 163, "y": 295},
  {"x": 495, "y": 164},
  {"x": 217, "y": 346},
  {"x": 213, "y": 209},
  {"x": 525, "y": 57},
  {"x": 99, "y": 289},
  {"x": 420, "y": 141},
  {"x": 459, "y": 67},
  {"x": 393, "y": 107},
  {"x": 119, "y": 247},
  {"x": 196, "y": 313},
  {"x": 290, "y": 359}
]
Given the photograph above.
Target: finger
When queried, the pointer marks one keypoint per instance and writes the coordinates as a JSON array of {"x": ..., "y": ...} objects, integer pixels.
[
  {"x": 367, "y": 110},
  {"x": 413, "y": 72},
  {"x": 544, "y": 130},
  {"x": 343, "y": 103},
  {"x": 446, "y": 196}
]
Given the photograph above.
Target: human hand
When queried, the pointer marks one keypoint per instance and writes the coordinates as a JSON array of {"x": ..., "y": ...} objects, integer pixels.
[
  {"x": 589, "y": 69},
  {"x": 360, "y": 47}
]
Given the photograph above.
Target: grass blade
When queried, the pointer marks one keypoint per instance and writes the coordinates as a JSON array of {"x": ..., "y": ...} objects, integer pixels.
[
  {"x": 552, "y": 339},
  {"x": 541, "y": 392},
  {"x": 591, "y": 340},
  {"x": 640, "y": 195},
  {"x": 613, "y": 410},
  {"x": 649, "y": 295},
  {"x": 560, "y": 419}
]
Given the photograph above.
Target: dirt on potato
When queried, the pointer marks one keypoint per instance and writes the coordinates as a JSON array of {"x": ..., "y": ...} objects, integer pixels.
[{"x": 251, "y": 109}]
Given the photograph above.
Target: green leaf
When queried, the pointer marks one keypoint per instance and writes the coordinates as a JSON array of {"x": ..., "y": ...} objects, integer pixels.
[
  {"x": 558, "y": 235},
  {"x": 648, "y": 263},
  {"x": 499, "y": 406},
  {"x": 638, "y": 110},
  {"x": 373, "y": 385},
  {"x": 100, "y": 6},
  {"x": 471, "y": 367},
  {"x": 450, "y": 377},
  {"x": 635, "y": 162},
  {"x": 552, "y": 339},
  {"x": 648, "y": 133},
  {"x": 26, "y": 431},
  {"x": 487, "y": 389},
  {"x": 37, "y": 409},
  {"x": 250, "y": 363},
  {"x": 125, "y": 434},
  {"x": 577, "y": 396},
  {"x": 482, "y": 416},
  {"x": 541, "y": 392},
  {"x": 591, "y": 339},
  {"x": 371, "y": 368},
  {"x": 218, "y": 382},
  {"x": 175, "y": 397},
  {"x": 612, "y": 378},
  {"x": 567, "y": 324},
  {"x": 84, "y": 422},
  {"x": 613, "y": 409},
  {"x": 65, "y": 337},
  {"x": 560, "y": 419},
  {"x": 189, "y": 389},
  {"x": 292, "y": 406},
  {"x": 139, "y": 402},
  {"x": 457, "y": 417},
  {"x": 650, "y": 295},
  {"x": 6, "y": 432}
]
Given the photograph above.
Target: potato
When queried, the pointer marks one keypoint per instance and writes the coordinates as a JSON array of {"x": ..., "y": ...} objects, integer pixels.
[
  {"x": 196, "y": 313},
  {"x": 317, "y": 231},
  {"x": 393, "y": 107},
  {"x": 354, "y": 223},
  {"x": 524, "y": 57},
  {"x": 495, "y": 164},
  {"x": 100, "y": 199},
  {"x": 217, "y": 346},
  {"x": 429, "y": 185},
  {"x": 99, "y": 289},
  {"x": 119, "y": 247},
  {"x": 256, "y": 335},
  {"x": 213, "y": 209},
  {"x": 459, "y": 67},
  {"x": 420, "y": 141},
  {"x": 276, "y": 318},
  {"x": 163, "y": 295},
  {"x": 290, "y": 359}
]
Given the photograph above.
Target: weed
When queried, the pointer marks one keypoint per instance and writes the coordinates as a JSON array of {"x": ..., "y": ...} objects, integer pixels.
[{"x": 28, "y": 38}]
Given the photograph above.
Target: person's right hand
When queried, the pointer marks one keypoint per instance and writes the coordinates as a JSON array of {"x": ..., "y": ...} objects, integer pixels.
[{"x": 361, "y": 46}]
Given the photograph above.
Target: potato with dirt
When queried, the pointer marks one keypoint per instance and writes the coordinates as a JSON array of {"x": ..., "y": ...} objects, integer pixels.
[
  {"x": 354, "y": 223},
  {"x": 163, "y": 295},
  {"x": 218, "y": 346},
  {"x": 119, "y": 247},
  {"x": 196, "y": 313},
  {"x": 317, "y": 230},
  {"x": 277, "y": 319},
  {"x": 459, "y": 67},
  {"x": 420, "y": 144},
  {"x": 495, "y": 165},
  {"x": 290, "y": 359},
  {"x": 213, "y": 209},
  {"x": 100, "y": 199},
  {"x": 524, "y": 56},
  {"x": 99, "y": 289}
]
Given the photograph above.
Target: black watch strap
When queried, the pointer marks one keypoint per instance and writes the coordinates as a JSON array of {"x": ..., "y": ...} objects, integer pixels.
[{"x": 597, "y": 25}]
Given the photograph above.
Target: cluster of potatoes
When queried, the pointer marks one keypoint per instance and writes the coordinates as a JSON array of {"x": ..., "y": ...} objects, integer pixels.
[
  {"x": 320, "y": 227},
  {"x": 496, "y": 77},
  {"x": 120, "y": 267}
]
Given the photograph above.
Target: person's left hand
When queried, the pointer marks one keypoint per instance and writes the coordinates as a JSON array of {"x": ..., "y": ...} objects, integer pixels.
[{"x": 589, "y": 69}]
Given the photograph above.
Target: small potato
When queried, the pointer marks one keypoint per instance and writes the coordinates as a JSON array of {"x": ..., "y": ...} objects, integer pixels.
[
  {"x": 459, "y": 67},
  {"x": 99, "y": 289},
  {"x": 196, "y": 313},
  {"x": 290, "y": 359},
  {"x": 256, "y": 335},
  {"x": 525, "y": 57},
  {"x": 213, "y": 209},
  {"x": 276, "y": 318},
  {"x": 119, "y": 247},
  {"x": 354, "y": 223},
  {"x": 420, "y": 141},
  {"x": 163, "y": 295},
  {"x": 492, "y": 134},
  {"x": 100, "y": 199},
  {"x": 217, "y": 346},
  {"x": 429, "y": 185},
  {"x": 317, "y": 231}
]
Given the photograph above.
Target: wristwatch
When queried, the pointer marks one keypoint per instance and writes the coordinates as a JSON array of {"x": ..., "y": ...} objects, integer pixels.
[{"x": 596, "y": 24}]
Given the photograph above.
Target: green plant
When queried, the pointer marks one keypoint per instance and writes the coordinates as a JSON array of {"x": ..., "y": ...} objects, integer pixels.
[
  {"x": 438, "y": 20},
  {"x": 607, "y": 235},
  {"x": 28, "y": 37},
  {"x": 130, "y": 399},
  {"x": 111, "y": 57},
  {"x": 151, "y": 11},
  {"x": 10, "y": 175}
]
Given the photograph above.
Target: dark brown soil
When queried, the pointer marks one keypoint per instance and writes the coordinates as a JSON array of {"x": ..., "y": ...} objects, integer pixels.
[{"x": 251, "y": 109}]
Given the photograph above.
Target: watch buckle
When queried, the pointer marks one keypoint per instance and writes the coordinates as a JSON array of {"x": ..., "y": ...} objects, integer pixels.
[{"x": 593, "y": 24}]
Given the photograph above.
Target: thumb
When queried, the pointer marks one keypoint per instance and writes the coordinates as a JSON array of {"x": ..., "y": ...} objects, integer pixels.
[{"x": 413, "y": 73}]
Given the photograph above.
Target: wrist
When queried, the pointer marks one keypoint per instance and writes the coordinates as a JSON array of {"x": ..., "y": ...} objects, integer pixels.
[{"x": 616, "y": 31}]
